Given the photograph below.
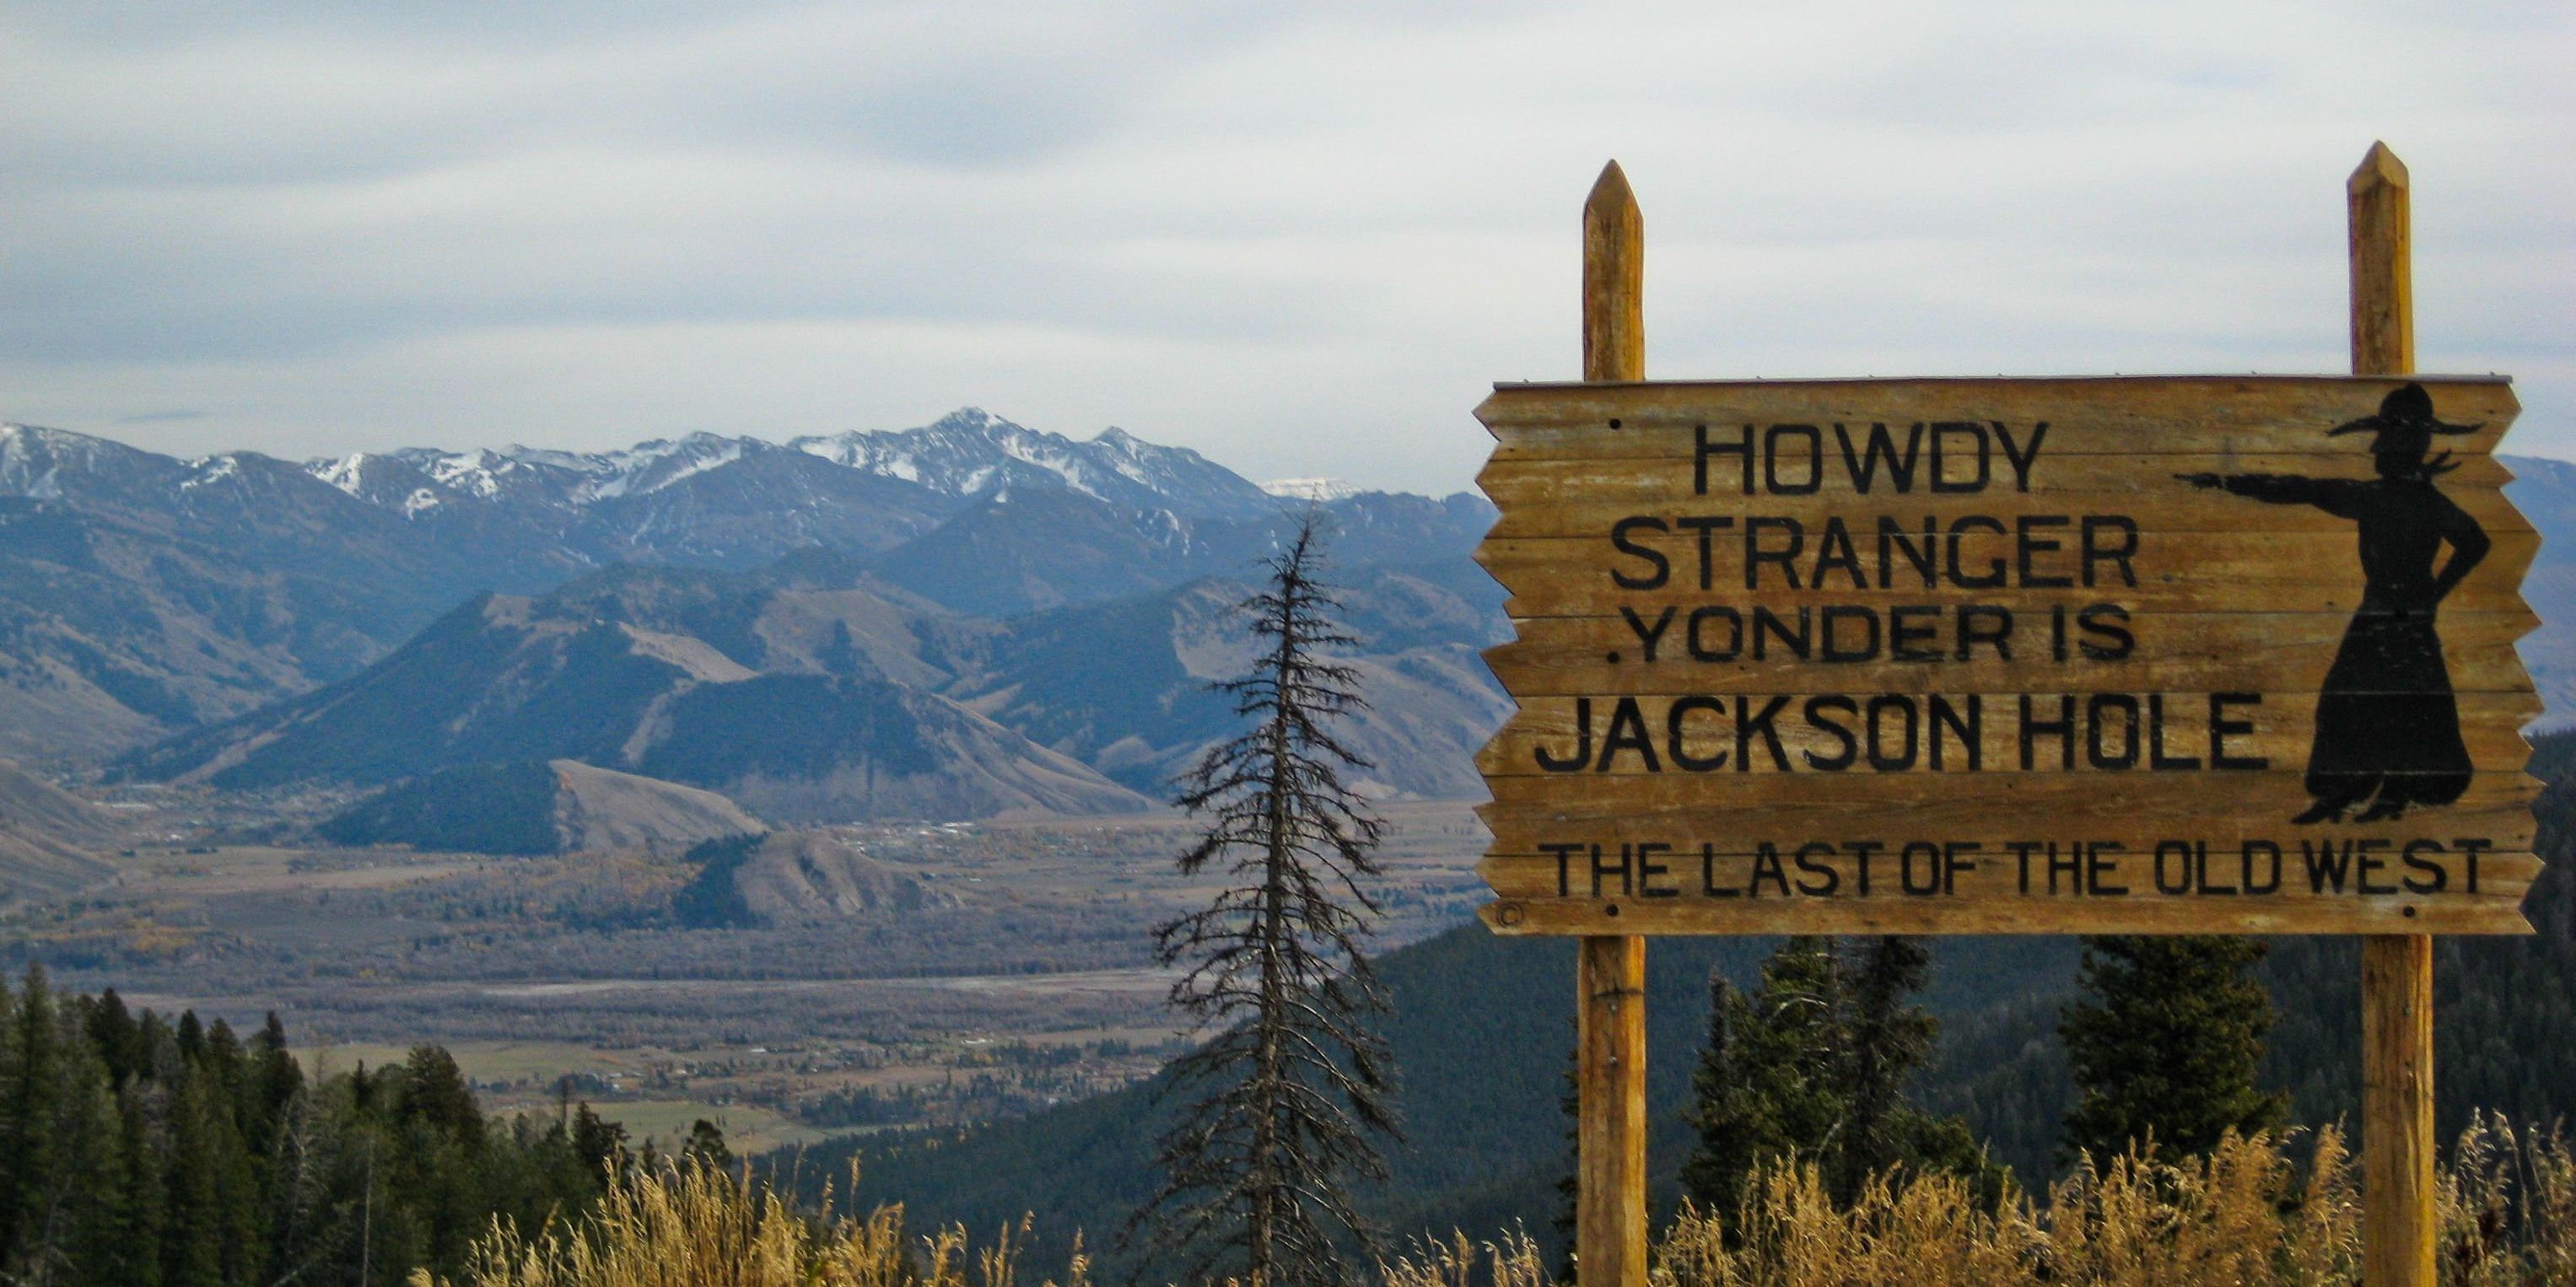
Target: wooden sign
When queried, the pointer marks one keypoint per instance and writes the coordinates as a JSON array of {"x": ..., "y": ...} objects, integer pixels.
[{"x": 2205, "y": 654}]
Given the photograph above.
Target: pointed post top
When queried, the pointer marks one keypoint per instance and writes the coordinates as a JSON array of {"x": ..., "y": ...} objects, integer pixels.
[
  {"x": 2383, "y": 291},
  {"x": 1610, "y": 192},
  {"x": 1614, "y": 280},
  {"x": 2380, "y": 168}
]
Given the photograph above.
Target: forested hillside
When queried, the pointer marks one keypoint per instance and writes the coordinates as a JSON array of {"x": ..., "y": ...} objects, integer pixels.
[
  {"x": 1482, "y": 1034},
  {"x": 136, "y": 1151}
]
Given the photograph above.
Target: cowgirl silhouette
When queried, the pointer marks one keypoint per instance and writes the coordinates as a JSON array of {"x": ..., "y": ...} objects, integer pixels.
[{"x": 2387, "y": 724}]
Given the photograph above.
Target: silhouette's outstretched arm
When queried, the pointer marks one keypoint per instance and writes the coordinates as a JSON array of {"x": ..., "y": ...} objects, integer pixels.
[
  {"x": 2468, "y": 543},
  {"x": 2277, "y": 489}
]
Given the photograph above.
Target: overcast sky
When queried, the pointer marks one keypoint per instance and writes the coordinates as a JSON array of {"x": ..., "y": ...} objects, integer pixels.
[{"x": 1301, "y": 238}]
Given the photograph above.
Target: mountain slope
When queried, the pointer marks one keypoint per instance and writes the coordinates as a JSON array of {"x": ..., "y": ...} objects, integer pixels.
[
  {"x": 796, "y": 878},
  {"x": 2545, "y": 492},
  {"x": 971, "y": 452},
  {"x": 690, "y": 676},
  {"x": 49, "y": 838},
  {"x": 142, "y": 595},
  {"x": 1481, "y": 1034},
  {"x": 1125, "y": 685},
  {"x": 1482, "y": 1029},
  {"x": 1029, "y": 549},
  {"x": 1025, "y": 549},
  {"x": 558, "y": 806}
]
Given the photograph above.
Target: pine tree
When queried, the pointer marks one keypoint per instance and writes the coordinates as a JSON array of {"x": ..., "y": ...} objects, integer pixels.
[
  {"x": 1890, "y": 1038},
  {"x": 1291, "y": 1090},
  {"x": 135, "y": 1260},
  {"x": 600, "y": 1144},
  {"x": 1724, "y": 1112},
  {"x": 1770, "y": 1082},
  {"x": 192, "y": 1246},
  {"x": 2165, "y": 1042},
  {"x": 27, "y": 1142},
  {"x": 706, "y": 1146},
  {"x": 139, "y": 1152},
  {"x": 1815, "y": 1064}
]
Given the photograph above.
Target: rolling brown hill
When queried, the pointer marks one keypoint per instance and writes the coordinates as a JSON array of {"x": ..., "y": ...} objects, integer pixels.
[
  {"x": 557, "y": 806},
  {"x": 775, "y": 696},
  {"x": 49, "y": 839}
]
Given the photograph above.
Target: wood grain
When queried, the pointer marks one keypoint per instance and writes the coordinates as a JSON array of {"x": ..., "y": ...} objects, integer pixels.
[
  {"x": 2222, "y": 808},
  {"x": 2055, "y": 795},
  {"x": 1610, "y": 979},
  {"x": 2175, "y": 572},
  {"x": 1610, "y": 1058},
  {"x": 2204, "y": 652},
  {"x": 2010, "y": 916},
  {"x": 1614, "y": 280},
  {"x": 2121, "y": 416},
  {"x": 2379, "y": 232},
  {"x": 1902, "y": 733},
  {"x": 2216, "y": 878},
  {"x": 2398, "y": 1218},
  {"x": 1585, "y": 497}
]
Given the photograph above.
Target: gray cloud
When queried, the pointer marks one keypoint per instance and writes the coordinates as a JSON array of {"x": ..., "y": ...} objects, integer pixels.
[{"x": 1299, "y": 238}]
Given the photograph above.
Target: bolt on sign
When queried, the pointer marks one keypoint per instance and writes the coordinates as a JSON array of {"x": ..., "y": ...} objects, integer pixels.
[{"x": 2122, "y": 655}]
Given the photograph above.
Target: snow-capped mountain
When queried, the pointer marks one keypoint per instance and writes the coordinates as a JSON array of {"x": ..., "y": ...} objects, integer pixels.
[
  {"x": 971, "y": 451},
  {"x": 967, "y": 453},
  {"x": 49, "y": 464},
  {"x": 141, "y": 593}
]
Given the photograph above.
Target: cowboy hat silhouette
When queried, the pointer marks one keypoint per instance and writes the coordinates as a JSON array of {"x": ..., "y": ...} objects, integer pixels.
[{"x": 2402, "y": 433}]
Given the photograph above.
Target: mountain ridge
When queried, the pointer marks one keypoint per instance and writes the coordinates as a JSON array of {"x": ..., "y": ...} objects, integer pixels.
[
  {"x": 143, "y": 596},
  {"x": 813, "y": 691}
]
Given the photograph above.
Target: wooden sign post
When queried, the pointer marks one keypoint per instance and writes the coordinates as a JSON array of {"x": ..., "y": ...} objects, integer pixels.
[
  {"x": 2396, "y": 969},
  {"x": 2221, "y": 654},
  {"x": 1610, "y": 970}
]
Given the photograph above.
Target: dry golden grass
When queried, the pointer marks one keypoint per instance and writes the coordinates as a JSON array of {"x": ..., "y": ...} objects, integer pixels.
[
  {"x": 2240, "y": 1216},
  {"x": 1512, "y": 1260},
  {"x": 2247, "y": 1216},
  {"x": 695, "y": 1226}
]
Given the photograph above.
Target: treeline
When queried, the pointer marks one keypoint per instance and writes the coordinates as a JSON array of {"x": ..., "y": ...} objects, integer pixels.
[
  {"x": 140, "y": 1152},
  {"x": 2502, "y": 1008}
]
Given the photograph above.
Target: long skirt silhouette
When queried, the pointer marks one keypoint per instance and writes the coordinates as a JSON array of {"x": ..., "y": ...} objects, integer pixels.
[{"x": 2387, "y": 724}]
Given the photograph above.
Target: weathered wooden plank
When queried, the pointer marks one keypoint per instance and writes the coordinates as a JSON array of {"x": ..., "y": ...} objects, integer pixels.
[
  {"x": 2125, "y": 416},
  {"x": 1743, "y": 810},
  {"x": 1610, "y": 977},
  {"x": 2004, "y": 916},
  {"x": 1610, "y": 1059},
  {"x": 1586, "y": 497},
  {"x": 2215, "y": 877},
  {"x": 2399, "y": 1223},
  {"x": 1869, "y": 732},
  {"x": 2173, "y": 571},
  {"x": 2379, "y": 240},
  {"x": 2397, "y": 1104},
  {"x": 2204, "y": 652},
  {"x": 2050, "y": 795},
  {"x": 1694, "y": 873}
]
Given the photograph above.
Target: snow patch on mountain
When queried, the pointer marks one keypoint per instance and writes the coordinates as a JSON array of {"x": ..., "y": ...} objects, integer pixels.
[
  {"x": 1312, "y": 489},
  {"x": 969, "y": 452},
  {"x": 35, "y": 461},
  {"x": 211, "y": 470}
]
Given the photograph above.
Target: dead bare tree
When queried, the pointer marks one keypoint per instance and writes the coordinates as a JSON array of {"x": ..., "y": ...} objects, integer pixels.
[{"x": 1290, "y": 1093}]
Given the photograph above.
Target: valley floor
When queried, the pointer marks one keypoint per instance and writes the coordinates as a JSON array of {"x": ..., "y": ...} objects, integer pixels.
[{"x": 1032, "y": 981}]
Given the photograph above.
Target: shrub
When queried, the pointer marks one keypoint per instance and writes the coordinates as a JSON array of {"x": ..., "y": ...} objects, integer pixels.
[{"x": 2253, "y": 1212}]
